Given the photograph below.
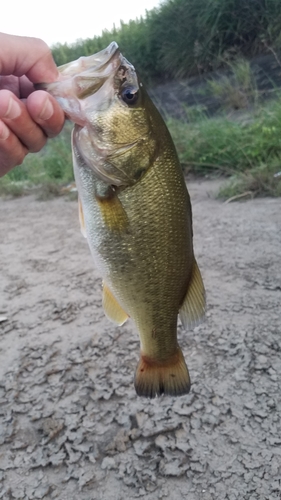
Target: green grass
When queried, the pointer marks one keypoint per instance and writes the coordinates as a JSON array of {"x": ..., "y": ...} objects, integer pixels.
[
  {"x": 248, "y": 151},
  {"x": 262, "y": 180},
  {"x": 46, "y": 171},
  {"x": 238, "y": 89},
  {"x": 243, "y": 146}
]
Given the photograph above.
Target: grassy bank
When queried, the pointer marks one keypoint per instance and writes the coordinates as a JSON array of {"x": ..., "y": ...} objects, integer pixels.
[{"x": 247, "y": 152}]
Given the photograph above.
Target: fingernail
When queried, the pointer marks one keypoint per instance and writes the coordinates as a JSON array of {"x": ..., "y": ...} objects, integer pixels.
[
  {"x": 13, "y": 111},
  {"x": 47, "y": 110},
  {"x": 4, "y": 132}
]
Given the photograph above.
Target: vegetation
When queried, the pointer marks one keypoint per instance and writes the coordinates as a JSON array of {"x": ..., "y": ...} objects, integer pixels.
[
  {"x": 47, "y": 170},
  {"x": 262, "y": 180},
  {"x": 248, "y": 151},
  {"x": 244, "y": 146},
  {"x": 184, "y": 37},
  {"x": 180, "y": 38},
  {"x": 238, "y": 89}
]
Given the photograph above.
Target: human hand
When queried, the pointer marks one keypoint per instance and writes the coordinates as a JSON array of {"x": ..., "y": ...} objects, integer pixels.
[{"x": 27, "y": 117}]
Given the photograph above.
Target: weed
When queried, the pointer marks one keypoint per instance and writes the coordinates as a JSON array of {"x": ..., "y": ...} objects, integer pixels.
[
  {"x": 237, "y": 90},
  {"x": 247, "y": 151},
  {"x": 49, "y": 190},
  {"x": 262, "y": 180},
  {"x": 12, "y": 189},
  {"x": 225, "y": 145}
]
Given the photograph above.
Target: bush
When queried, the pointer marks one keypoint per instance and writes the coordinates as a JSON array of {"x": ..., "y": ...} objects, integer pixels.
[{"x": 184, "y": 37}]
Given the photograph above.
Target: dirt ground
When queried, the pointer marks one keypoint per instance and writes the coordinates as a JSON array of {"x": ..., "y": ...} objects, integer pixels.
[{"x": 72, "y": 426}]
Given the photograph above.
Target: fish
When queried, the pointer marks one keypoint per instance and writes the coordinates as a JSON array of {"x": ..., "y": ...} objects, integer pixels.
[{"x": 134, "y": 210}]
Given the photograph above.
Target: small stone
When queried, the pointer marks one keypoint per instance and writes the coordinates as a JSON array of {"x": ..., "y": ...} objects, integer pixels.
[
  {"x": 85, "y": 478},
  {"x": 108, "y": 463},
  {"x": 162, "y": 442},
  {"x": 141, "y": 446},
  {"x": 173, "y": 468},
  {"x": 43, "y": 491}
]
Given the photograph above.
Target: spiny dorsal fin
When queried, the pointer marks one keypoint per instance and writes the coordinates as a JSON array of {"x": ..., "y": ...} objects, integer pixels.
[
  {"x": 111, "y": 307},
  {"x": 193, "y": 307},
  {"x": 81, "y": 219}
]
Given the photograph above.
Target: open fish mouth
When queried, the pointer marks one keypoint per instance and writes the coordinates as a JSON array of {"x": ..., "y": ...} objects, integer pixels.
[
  {"x": 87, "y": 74},
  {"x": 90, "y": 83},
  {"x": 89, "y": 65}
]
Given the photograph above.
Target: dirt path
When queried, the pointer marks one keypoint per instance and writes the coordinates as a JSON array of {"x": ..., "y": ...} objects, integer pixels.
[{"x": 71, "y": 425}]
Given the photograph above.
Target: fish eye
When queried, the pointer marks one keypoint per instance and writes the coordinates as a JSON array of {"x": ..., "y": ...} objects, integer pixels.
[{"x": 130, "y": 95}]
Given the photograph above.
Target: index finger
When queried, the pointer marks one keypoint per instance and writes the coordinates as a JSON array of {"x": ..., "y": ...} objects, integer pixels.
[{"x": 27, "y": 56}]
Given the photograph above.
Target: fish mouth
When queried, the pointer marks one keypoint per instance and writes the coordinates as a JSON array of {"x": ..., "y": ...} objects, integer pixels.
[
  {"x": 89, "y": 65},
  {"x": 92, "y": 71},
  {"x": 84, "y": 76},
  {"x": 79, "y": 80}
]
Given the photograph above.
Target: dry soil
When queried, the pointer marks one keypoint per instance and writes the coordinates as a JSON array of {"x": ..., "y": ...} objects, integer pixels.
[{"x": 71, "y": 425}]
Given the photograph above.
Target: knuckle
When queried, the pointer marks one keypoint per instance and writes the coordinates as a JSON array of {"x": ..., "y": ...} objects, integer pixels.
[
  {"x": 5, "y": 96},
  {"x": 7, "y": 163},
  {"x": 20, "y": 158},
  {"x": 37, "y": 147},
  {"x": 41, "y": 45},
  {"x": 12, "y": 153}
]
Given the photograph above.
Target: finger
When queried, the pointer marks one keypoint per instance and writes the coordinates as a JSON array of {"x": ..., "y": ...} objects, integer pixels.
[
  {"x": 26, "y": 87},
  {"x": 12, "y": 151},
  {"x": 27, "y": 56},
  {"x": 46, "y": 112},
  {"x": 11, "y": 83},
  {"x": 14, "y": 114}
]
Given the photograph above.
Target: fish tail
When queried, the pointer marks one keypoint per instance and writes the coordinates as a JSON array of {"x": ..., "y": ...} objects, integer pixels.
[{"x": 154, "y": 377}]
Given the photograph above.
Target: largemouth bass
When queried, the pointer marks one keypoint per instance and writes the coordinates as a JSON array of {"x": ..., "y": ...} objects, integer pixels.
[{"x": 135, "y": 211}]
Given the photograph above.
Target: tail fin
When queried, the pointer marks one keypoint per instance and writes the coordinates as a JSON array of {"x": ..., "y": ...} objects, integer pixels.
[{"x": 153, "y": 377}]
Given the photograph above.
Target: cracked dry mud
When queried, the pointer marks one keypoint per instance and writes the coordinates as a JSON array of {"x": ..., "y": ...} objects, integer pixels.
[{"x": 71, "y": 425}]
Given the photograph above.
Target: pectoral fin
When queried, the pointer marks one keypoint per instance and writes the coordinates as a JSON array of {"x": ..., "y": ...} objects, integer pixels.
[
  {"x": 111, "y": 307},
  {"x": 112, "y": 210},
  {"x": 81, "y": 219},
  {"x": 193, "y": 307}
]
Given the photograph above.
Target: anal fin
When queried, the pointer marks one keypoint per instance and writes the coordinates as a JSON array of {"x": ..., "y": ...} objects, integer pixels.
[
  {"x": 193, "y": 308},
  {"x": 111, "y": 307}
]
